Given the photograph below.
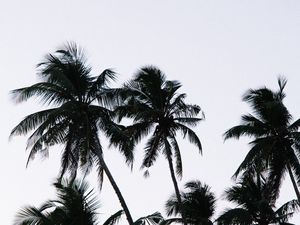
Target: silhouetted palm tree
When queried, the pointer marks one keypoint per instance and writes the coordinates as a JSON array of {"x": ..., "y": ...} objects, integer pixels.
[
  {"x": 154, "y": 104},
  {"x": 80, "y": 109},
  {"x": 276, "y": 139},
  {"x": 255, "y": 199},
  {"x": 75, "y": 204},
  {"x": 198, "y": 204}
]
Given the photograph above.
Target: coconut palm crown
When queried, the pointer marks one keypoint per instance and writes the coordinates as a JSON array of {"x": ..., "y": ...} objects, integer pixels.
[
  {"x": 80, "y": 107},
  {"x": 198, "y": 204},
  {"x": 255, "y": 199},
  {"x": 275, "y": 144},
  {"x": 75, "y": 204},
  {"x": 159, "y": 112}
]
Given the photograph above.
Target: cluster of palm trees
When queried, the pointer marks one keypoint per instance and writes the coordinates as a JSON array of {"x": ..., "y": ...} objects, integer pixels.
[{"x": 81, "y": 106}]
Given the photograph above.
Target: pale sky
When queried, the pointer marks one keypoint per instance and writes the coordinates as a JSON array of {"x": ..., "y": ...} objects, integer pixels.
[{"x": 216, "y": 49}]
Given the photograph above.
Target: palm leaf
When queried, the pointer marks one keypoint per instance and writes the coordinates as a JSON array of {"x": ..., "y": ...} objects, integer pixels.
[
  {"x": 287, "y": 210},
  {"x": 235, "y": 216},
  {"x": 152, "y": 219},
  {"x": 295, "y": 126},
  {"x": 151, "y": 149},
  {"x": 114, "y": 219},
  {"x": 30, "y": 122},
  {"x": 32, "y": 216},
  {"x": 178, "y": 160},
  {"x": 192, "y": 136}
]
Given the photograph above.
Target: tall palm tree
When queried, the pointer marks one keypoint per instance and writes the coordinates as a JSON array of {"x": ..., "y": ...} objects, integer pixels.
[
  {"x": 75, "y": 204},
  {"x": 255, "y": 199},
  {"x": 80, "y": 108},
  {"x": 155, "y": 106},
  {"x": 198, "y": 204},
  {"x": 276, "y": 138}
]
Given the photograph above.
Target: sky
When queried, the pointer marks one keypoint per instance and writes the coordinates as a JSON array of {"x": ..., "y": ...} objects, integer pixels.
[{"x": 216, "y": 49}]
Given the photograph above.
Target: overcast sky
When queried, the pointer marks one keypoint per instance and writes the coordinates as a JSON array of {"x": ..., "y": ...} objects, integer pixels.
[{"x": 216, "y": 49}]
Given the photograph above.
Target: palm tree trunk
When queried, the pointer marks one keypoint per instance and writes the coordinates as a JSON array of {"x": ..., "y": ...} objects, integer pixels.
[
  {"x": 294, "y": 182},
  {"x": 176, "y": 189},
  {"x": 114, "y": 185}
]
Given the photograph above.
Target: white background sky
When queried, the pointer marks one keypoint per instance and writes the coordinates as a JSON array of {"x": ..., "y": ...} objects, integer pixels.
[{"x": 217, "y": 49}]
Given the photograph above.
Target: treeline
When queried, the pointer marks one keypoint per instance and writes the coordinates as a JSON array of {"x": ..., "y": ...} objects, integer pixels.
[{"x": 82, "y": 105}]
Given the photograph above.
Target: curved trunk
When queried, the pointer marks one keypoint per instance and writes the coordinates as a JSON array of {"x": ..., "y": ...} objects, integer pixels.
[
  {"x": 115, "y": 186},
  {"x": 294, "y": 182},
  {"x": 177, "y": 192}
]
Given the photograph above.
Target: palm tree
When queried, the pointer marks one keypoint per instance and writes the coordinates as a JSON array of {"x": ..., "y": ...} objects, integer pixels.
[
  {"x": 154, "y": 105},
  {"x": 255, "y": 199},
  {"x": 198, "y": 204},
  {"x": 276, "y": 138},
  {"x": 80, "y": 108},
  {"x": 75, "y": 204}
]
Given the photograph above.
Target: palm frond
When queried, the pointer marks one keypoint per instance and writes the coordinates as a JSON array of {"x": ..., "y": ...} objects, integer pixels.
[
  {"x": 287, "y": 210},
  {"x": 100, "y": 169},
  {"x": 188, "y": 121},
  {"x": 31, "y": 215},
  {"x": 138, "y": 130},
  {"x": 282, "y": 81},
  {"x": 30, "y": 122},
  {"x": 277, "y": 168},
  {"x": 182, "y": 109},
  {"x": 235, "y": 216},
  {"x": 101, "y": 91},
  {"x": 46, "y": 92},
  {"x": 152, "y": 219},
  {"x": 243, "y": 130},
  {"x": 171, "y": 220},
  {"x": 177, "y": 155},
  {"x": 172, "y": 206},
  {"x": 114, "y": 219},
  {"x": 294, "y": 163},
  {"x": 295, "y": 126},
  {"x": 120, "y": 139},
  {"x": 192, "y": 136},
  {"x": 151, "y": 149},
  {"x": 256, "y": 152}
]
